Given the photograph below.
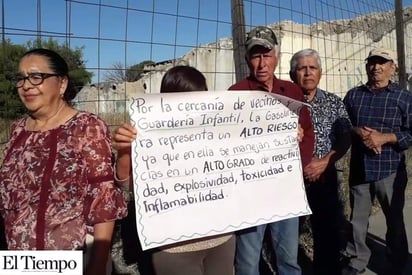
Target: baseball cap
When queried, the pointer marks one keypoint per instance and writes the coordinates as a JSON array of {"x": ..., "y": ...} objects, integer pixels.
[
  {"x": 384, "y": 53},
  {"x": 261, "y": 36}
]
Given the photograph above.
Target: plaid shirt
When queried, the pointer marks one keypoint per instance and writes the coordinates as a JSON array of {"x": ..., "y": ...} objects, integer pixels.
[{"x": 387, "y": 111}]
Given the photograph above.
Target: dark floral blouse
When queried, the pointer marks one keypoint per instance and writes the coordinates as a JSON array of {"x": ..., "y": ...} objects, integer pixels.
[{"x": 56, "y": 184}]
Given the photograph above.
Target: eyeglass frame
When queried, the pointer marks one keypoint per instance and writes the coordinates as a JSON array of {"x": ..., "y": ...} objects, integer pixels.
[{"x": 16, "y": 79}]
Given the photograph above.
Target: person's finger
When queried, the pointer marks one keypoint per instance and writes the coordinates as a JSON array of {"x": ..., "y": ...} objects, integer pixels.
[
  {"x": 130, "y": 128},
  {"x": 123, "y": 134}
]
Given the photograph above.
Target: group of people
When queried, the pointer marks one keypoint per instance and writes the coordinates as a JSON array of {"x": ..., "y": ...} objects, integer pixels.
[{"x": 59, "y": 182}]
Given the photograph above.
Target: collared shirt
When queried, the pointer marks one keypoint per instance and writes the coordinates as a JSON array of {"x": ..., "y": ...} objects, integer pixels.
[
  {"x": 291, "y": 90},
  {"x": 330, "y": 122},
  {"x": 387, "y": 111}
]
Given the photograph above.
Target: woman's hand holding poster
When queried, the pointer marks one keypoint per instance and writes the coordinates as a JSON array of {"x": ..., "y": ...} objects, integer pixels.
[{"x": 207, "y": 163}]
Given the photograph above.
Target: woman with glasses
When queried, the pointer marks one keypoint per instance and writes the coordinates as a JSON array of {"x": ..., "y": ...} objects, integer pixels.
[{"x": 56, "y": 179}]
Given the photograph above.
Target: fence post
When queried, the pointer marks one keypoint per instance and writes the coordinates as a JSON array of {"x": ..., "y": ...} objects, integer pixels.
[
  {"x": 400, "y": 42},
  {"x": 239, "y": 35}
]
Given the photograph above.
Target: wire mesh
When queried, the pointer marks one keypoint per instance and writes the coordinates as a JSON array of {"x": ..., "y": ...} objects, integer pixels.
[{"x": 115, "y": 35}]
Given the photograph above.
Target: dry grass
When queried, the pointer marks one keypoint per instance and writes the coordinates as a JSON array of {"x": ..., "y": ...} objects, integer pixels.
[
  {"x": 4, "y": 135},
  {"x": 114, "y": 120}
]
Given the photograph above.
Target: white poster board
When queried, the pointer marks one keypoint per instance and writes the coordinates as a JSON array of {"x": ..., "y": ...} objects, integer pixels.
[{"x": 207, "y": 163}]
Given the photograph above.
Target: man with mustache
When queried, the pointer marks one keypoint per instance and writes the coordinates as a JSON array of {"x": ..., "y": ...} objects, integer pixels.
[
  {"x": 381, "y": 115},
  {"x": 333, "y": 137}
]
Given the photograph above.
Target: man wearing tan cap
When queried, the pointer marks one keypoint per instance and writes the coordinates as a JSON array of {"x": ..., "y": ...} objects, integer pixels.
[
  {"x": 381, "y": 115},
  {"x": 262, "y": 57}
]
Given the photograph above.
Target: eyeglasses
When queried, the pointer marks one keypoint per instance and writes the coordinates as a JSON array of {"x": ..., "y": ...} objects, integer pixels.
[{"x": 34, "y": 78}]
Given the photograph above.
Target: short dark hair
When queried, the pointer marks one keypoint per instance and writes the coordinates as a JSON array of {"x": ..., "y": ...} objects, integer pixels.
[
  {"x": 59, "y": 66},
  {"x": 183, "y": 79}
]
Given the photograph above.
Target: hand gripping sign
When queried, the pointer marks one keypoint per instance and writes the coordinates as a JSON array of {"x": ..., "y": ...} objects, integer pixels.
[{"x": 207, "y": 163}]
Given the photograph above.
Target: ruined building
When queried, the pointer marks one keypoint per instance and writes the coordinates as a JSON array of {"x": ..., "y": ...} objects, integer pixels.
[{"x": 342, "y": 44}]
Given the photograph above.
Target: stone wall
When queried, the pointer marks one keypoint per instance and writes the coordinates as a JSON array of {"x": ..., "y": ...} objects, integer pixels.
[{"x": 342, "y": 44}]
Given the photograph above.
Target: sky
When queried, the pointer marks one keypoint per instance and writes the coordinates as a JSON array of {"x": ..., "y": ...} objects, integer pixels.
[{"x": 131, "y": 31}]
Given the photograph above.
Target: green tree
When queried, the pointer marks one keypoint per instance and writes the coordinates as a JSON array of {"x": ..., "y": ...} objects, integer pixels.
[
  {"x": 10, "y": 54},
  {"x": 74, "y": 58},
  {"x": 10, "y": 104}
]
